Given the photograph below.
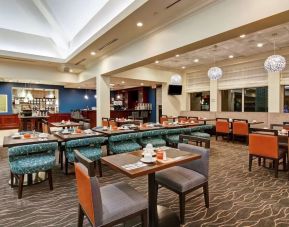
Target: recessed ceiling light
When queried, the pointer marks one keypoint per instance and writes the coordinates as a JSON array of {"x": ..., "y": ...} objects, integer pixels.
[
  {"x": 177, "y": 55},
  {"x": 139, "y": 24},
  {"x": 183, "y": 67},
  {"x": 78, "y": 87},
  {"x": 141, "y": 84},
  {"x": 92, "y": 53},
  {"x": 260, "y": 44},
  {"x": 231, "y": 56},
  {"x": 196, "y": 60},
  {"x": 111, "y": 85},
  {"x": 242, "y": 36},
  {"x": 71, "y": 70},
  {"x": 122, "y": 82},
  {"x": 156, "y": 61}
]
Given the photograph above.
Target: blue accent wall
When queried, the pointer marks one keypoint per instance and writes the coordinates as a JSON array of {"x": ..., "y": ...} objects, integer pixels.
[
  {"x": 68, "y": 98},
  {"x": 152, "y": 100}
]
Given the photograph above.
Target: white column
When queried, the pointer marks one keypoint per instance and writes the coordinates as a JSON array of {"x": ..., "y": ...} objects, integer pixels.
[
  {"x": 274, "y": 95},
  {"x": 103, "y": 98},
  {"x": 214, "y": 96}
]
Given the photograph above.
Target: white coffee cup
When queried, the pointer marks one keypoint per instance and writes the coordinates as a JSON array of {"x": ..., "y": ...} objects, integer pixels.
[{"x": 148, "y": 157}]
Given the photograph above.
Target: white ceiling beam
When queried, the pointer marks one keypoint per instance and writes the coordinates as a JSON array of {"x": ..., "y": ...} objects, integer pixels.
[{"x": 58, "y": 36}]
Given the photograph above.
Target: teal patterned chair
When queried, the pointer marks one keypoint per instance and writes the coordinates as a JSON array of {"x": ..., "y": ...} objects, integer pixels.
[
  {"x": 88, "y": 147},
  {"x": 124, "y": 143},
  {"x": 173, "y": 135},
  {"x": 29, "y": 159},
  {"x": 154, "y": 137},
  {"x": 199, "y": 131}
]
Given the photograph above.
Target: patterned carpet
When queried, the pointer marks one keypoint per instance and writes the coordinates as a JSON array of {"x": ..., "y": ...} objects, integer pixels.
[{"x": 237, "y": 197}]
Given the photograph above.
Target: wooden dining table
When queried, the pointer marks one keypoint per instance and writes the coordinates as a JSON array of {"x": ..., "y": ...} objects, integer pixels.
[{"x": 175, "y": 157}]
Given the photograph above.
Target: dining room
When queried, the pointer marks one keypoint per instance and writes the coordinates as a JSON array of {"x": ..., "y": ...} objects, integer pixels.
[{"x": 144, "y": 113}]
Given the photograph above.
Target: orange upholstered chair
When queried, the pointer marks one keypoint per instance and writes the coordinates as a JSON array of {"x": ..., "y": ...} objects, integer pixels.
[
  {"x": 163, "y": 118},
  {"x": 223, "y": 128},
  {"x": 105, "y": 122},
  {"x": 107, "y": 205},
  {"x": 263, "y": 143},
  {"x": 112, "y": 123},
  {"x": 240, "y": 128},
  {"x": 182, "y": 119},
  {"x": 195, "y": 119}
]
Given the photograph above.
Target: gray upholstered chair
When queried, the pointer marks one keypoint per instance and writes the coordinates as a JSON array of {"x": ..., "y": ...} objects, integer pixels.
[
  {"x": 187, "y": 177},
  {"x": 107, "y": 205}
]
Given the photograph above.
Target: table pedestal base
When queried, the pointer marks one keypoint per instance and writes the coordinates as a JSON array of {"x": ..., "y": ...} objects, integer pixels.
[{"x": 166, "y": 217}]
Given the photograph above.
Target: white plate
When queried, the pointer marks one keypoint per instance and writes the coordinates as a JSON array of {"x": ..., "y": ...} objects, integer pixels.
[
  {"x": 16, "y": 136},
  {"x": 153, "y": 160}
]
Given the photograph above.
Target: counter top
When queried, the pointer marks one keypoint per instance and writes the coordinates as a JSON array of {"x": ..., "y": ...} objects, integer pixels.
[{"x": 27, "y": 117}]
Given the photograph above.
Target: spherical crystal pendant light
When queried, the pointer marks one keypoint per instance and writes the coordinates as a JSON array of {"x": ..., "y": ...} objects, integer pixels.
[
  {"x": 215, "y": 73},
  {"x": 275, "y": 63},
  {"x": 176, "y": 79}
]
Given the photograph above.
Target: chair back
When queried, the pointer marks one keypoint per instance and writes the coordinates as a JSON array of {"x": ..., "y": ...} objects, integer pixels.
[
  {"x": 195, "y": 119},
  {"x": 264, "y": 143},
  {"x": 182, "y": 119},
  {"x": 240, "y": 127},
  {"x": 112, "y": 123},
  {"x": 222, "y": 125},
  {"x": 88, "y": 189},
  {"x": 163, "y": 118},
  {"x": 286, "y": 125},
  {"x": 31, "y": 149},
  {"x": 201, "y": 165},
  {"x": 45, "y": 127},
  {"x": 105, "y": 122},
  {"x": 85, "y": 142}
]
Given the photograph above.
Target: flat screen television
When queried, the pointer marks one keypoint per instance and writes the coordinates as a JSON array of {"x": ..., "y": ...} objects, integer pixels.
[{"x": 175, "y": 89}]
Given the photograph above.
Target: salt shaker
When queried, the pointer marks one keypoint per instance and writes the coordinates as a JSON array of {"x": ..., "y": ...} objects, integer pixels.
[{"x": 164, "y": 155}]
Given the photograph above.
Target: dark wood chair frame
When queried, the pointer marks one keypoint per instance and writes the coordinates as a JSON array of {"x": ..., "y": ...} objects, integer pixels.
[
  {"x": 275, "y": 161},
  {"x": 236, "y": 135},
  {"x": 220, "y": 133},
  {"x": 205, "y": 185},
  {"x": 91, "y": 172}
]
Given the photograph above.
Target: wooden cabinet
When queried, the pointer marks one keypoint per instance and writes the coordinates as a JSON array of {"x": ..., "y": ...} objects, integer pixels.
[{"x": 9, "y": 121}]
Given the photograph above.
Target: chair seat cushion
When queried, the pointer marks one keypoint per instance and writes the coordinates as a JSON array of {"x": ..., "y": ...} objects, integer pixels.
[
  {"x": 201, "y": 135},
  {"x": 173, "y": 138},
  {"x": 180, "y": 179},
  {"x": 156, "y": 141},
  {"x": 120, "y": 200},
  {"x": 32, "y": 163},
  {"x": 92, "y": 153},
  {"x": 125, "y": 146}
]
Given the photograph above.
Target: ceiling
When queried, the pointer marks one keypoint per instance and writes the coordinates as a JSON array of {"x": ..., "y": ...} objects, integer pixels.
[
  {"x": 153, "y": 14},
  {"x": 54, "y": 30},
  {"x": 237, "y": 47}
]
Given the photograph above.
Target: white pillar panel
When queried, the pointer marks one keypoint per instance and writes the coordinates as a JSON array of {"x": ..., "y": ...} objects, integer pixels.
[
  {"x": 103, "y": 97},
  {"x": 214, "y": 95},
  {"x": 274, "y": 95},
  {"x": 171, "y": 104}
]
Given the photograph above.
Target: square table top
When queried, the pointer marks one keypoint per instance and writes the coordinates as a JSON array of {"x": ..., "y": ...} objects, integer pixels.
[
  {"x": 60, "y": 124},
  {"x": 11, "y": 142},
  {"x": 71, "y": 136},
  {"x": 109, "y": 132},
  {"x": 175, "y": 157}
]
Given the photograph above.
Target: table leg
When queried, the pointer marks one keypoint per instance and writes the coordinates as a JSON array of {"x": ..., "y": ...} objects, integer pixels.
[{"x": 153, "y": 222}]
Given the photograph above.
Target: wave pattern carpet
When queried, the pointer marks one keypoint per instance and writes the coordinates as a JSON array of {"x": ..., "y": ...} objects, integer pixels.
[{"x": 237, "y": 197}]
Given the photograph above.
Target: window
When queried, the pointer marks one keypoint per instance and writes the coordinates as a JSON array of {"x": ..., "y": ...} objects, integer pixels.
[
  {"x": 232, "y": 100},
  {"x": 246, "y": 99},
  {"x": 256, "y": 99},
  {"x": 200, "y": 101}
]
